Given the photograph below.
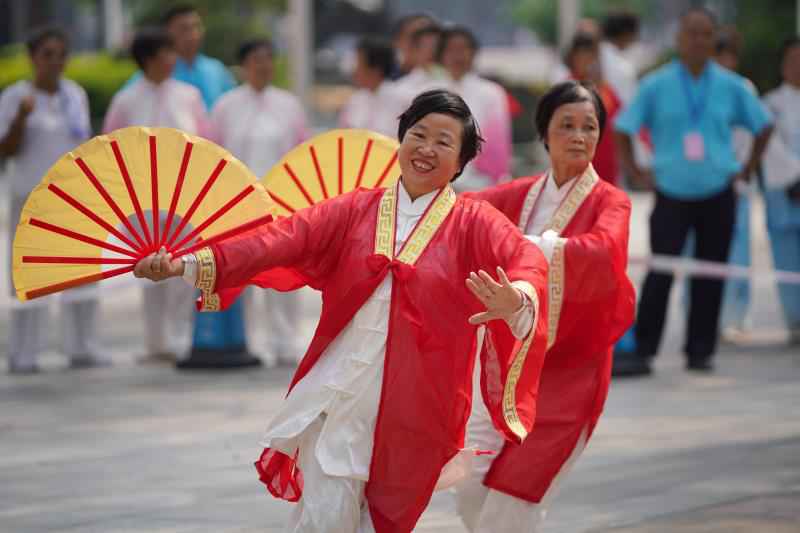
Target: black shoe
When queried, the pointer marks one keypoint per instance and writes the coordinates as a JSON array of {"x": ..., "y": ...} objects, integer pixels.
[
  {"x": 628, "y": 364},
  {"x": 700, "y": 365}
]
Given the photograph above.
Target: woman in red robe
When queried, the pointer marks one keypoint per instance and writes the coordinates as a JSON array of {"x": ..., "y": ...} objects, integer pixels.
[
  {"x": 580, "y": 222},
  {"x": 379, "y": 404}
]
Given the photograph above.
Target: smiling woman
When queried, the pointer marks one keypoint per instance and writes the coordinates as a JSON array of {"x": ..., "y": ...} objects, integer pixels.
[{"x": 387, "y": 381}]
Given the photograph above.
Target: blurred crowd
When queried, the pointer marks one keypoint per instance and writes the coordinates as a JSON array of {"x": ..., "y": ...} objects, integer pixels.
[{"x": 693, "y": 131}]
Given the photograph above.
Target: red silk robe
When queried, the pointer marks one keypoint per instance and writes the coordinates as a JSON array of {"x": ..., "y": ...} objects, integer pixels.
[
  {"x": 591, "y": 304},
  {"x": 343, "y": 247}
]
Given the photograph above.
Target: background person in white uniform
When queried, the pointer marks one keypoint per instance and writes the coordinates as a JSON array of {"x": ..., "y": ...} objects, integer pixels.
[
  {"x": 259, "y": 123},
  {"x": 156, "y": 99},
  {"x": 40, "y": 120}
]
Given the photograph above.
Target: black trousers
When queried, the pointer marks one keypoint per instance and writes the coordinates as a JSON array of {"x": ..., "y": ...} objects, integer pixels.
[{"x": 712, "y": 220}]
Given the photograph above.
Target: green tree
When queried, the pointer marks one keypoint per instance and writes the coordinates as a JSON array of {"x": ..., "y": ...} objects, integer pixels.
[
  {"x": 764, "y": 25},
  {"x": 542, "y": 16}
]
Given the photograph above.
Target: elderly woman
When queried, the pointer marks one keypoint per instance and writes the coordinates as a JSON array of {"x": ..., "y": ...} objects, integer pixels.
[
  {"x": 380, "y": 402},
  {"x": 40, "y": 119},
  {"x": 580, "y": 222}
]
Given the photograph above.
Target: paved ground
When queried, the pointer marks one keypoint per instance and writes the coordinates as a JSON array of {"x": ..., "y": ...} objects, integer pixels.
[{"x": 145, "y": 448}]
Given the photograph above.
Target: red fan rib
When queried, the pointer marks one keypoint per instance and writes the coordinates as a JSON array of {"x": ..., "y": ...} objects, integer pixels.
[
  {"x": 214, "y": 217},
  {"x": 200, "y": 197},
  {"x": 319, "y": 172},
  {"x": 80, "y": 237},
  {"x": 52, "y": 260},
  {"x": 341, "y": 165},
  {"x": 92, "y": 216},
  {"x": 281, "y": 202},
  {"x": 77, "y": 282},
  {"x": 233, "y": 232},
  {"x": 187, "y": 154},
  {"x": 297, "y": 183},
  {"x": 123, "y": 170},
  {"x": 386, "y": 170},
  {"x": 363, "y": 164},
  {"x": 154, "y": 189}
]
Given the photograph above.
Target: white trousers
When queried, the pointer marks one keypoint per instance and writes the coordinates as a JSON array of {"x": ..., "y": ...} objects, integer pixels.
[
  {"x": 279, "y": 324},
  {"x": 329, "y": 504},
  {"x": 485, "y": 510},
  {"x": 168, "y": 310},
  {"x": 28, "y": 335}
]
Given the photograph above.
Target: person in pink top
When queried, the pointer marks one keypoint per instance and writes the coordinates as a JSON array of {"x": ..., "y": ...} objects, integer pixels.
[{"x": 158, "y": 100}]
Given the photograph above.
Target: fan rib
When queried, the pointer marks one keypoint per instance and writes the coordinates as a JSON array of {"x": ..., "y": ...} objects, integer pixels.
[
  {"x": 341, "y": 164},
  {"x": 200, "y": 197},
  {"x": 154, "y": 190},
  {"x": 298, "y": 184},
  {"x": 214, "y": 217},
  {"x": 233, "y": 232},
  {"x": 281, "y": 202},
  {"x": 77, "y": 282},
  {"x": 363, "y": 164},
  {"x": 123, "y": 169},
  {"x": 96, "y": 219},
  {"x": 187, "y": 153},
  {"x": 53, "y": 260},
  {"x": 386, "y": 170},
  {"x": 80, "y": 237},
  {"x": 319, "y": 172}
]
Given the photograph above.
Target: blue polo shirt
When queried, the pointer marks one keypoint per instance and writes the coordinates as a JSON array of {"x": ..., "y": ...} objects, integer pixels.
[
  {"x": 671, "y": 103},
  {"x": 209, "y": 75}
]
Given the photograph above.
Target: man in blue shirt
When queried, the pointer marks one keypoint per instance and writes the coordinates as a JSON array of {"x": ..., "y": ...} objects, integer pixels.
[{"x": 690, "y": 107}]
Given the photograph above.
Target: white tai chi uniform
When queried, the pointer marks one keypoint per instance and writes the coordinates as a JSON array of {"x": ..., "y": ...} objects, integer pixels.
[
  {"x": 168, "y": 308},
  {"x": 259, "y": 128},
  {"x": 377, "y": 110},
  {"x": 58, "y": 123},
  {"x": 485, "y": 510},
  {"x": 489, "y": 105},
  {"x": 330, "y": 414}
]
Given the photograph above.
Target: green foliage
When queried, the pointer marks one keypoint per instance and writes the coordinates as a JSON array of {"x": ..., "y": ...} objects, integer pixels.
[
  {"x": 100, "y": 74},
  {"x": 542, "y": 16},
  {"x": 764, "y": 25},
  {"x": 228, "y": 23}
]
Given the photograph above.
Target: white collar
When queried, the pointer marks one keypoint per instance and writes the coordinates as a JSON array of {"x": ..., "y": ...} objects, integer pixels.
[
  {"x": 410, "y": 207},
  {"x": 552, "y": 189},
  {"x": 262, "y": 93},
  {"x": 152, "y": 86}
]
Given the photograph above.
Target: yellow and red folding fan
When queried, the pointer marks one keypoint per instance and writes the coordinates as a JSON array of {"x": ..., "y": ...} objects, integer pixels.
[
  {"x": 331, "y": 164},
  {"x": 118, "y": 197}
]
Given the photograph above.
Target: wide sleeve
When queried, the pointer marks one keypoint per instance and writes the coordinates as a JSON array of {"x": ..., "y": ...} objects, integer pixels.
[
  {"x": 588, "y": 274},
  {"x": 510, "y": 368},
  {"x": 286, "y": 254}
]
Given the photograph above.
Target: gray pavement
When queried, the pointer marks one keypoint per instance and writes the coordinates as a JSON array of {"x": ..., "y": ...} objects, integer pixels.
[{"x": 145, "y": 448}]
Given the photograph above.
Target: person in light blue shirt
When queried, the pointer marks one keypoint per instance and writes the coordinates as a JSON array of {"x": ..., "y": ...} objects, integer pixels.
[
  {"x": 208, "y": 75},
  {"x": 690, "y": 106}
]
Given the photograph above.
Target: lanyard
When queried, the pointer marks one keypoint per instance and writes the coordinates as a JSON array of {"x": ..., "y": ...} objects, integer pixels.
[{"x": 695, "y": 99}]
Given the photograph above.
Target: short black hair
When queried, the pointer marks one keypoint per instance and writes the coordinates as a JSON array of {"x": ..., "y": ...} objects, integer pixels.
[
  {"x": 446, "y": 103},
  {"x": 567, "y": 92},
  {"x": 147, "y": 43},
  {"x": 702, "y": 10},
  {"x": 45, "y": 33},
  {"x": 728, "y": 40},
  {"x": 176, "y": 11},
  {"x": 404, "y": 21},
  {"x": 451, "y": 32},
  {"x": 378, "y": 54},
  {"x": 430, "y": 29},
  {"x": 581, "y": 41},
  {"x": 251, "y": 46},
  {"x": 787, "y": 45},
  {"x": 620, "y": 24}
]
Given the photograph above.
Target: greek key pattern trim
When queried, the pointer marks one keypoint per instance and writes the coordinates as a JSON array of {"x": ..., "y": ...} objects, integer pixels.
[
  {"x": 574, "y": 200},
  {"x": 510, "y": 414},
  {"x": 207, "y": 279},
  {"x": 555, "y": 291},
  {"x": 384, "y": 231}
]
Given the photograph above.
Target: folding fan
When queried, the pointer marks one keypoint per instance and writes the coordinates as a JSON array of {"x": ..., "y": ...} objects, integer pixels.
[
  {"x": 118, "y": 197},
  {"x": 330, "y": 164}
]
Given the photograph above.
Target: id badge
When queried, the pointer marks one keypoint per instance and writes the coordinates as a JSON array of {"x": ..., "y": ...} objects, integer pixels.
[{"x": 693, "y": 147}]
